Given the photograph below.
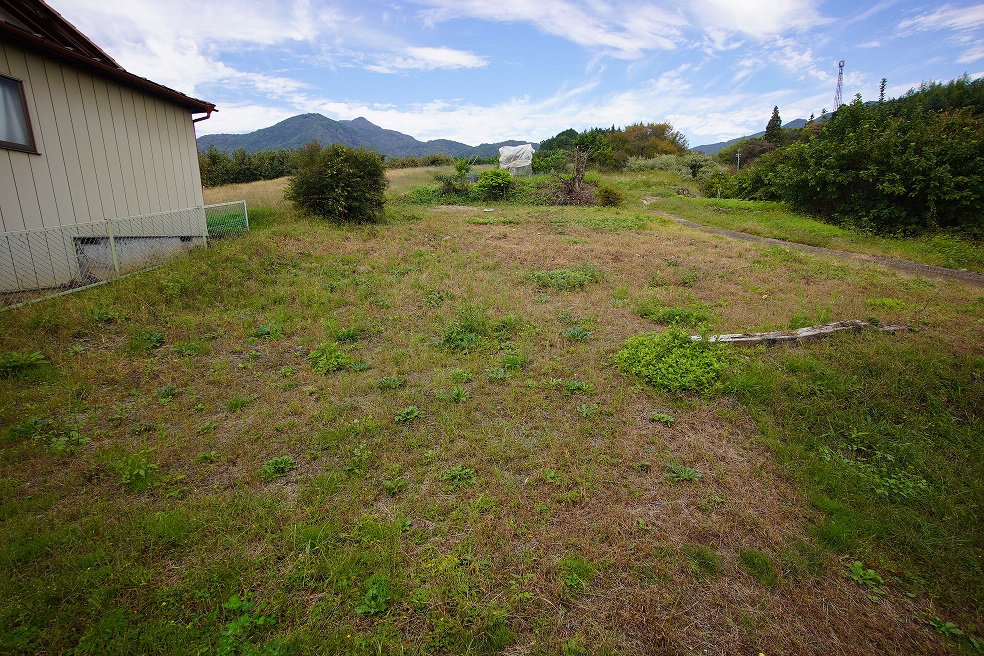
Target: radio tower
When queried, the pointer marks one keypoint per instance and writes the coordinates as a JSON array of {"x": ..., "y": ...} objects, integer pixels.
[{"x": 840, "y": 85}]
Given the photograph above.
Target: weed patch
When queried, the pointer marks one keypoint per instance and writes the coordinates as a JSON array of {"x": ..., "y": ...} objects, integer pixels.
[
  {"x": 136, "y": 470},
  {"x": 576, "y": 573},
  {"x": 247, "y": 621},
  {"x": 391, "y": 383},
  {"x": 408, "y": 414},
  {"x": 672, "y": 361},
  {"x": 459, "y": 476},
  {"x": 678, "y": 473},
  {"x": 19, "y": 363},
  {"x": 703, "y": 560},
  {"x": 694, "y": 317},
  {"x": 275, "y": 468},
  {"x": 568, "y": 279},
  {"x": 378, "y": 596},
  {"x": 330, "y": 357},
  {"x": 475, "y": 330},
  {"x": 759, "y": 565}
]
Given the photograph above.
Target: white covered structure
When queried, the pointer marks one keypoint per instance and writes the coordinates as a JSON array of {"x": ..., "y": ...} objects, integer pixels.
[{"x": 518, "y": 160}]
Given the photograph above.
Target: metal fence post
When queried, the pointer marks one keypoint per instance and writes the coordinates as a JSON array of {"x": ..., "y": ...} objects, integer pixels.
[
  {"x": 112, "y": 247},
  {"x": 201, "y": 209},
  {"x": 246, "y": 214}
]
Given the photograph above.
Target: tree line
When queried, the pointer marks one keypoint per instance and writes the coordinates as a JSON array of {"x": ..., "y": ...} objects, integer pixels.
[
  {"x": 899, "y": 166},
  {"x": 610, "y": 148},
  {"x": 219, "y": 168}
]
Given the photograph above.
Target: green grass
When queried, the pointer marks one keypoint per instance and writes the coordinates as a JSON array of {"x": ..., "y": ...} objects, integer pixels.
[
  {"x": 566, "y": 279},
  {"x": 203, "y": 459},
  {"x": 775, "y": 220},
  {"x": 224, "y": 225},
  {"x": 883, "y": 443}
]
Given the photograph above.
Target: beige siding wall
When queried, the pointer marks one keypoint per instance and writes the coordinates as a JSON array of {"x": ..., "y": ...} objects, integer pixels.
[{"x": 106, "y": 150}]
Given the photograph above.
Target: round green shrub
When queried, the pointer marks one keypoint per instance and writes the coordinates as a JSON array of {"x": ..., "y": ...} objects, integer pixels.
[
  {"x": 338, "y": 183},
  {"x": 672, "y": 361},
  {"x": 608, "y": 196},
  {"x": 494, "y": 184}
]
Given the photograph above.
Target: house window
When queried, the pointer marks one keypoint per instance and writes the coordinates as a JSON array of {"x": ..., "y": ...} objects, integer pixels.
[{"x": 15, "y": 127}]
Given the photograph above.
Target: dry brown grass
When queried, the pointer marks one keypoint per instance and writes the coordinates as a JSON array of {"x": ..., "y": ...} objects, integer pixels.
[
  {"x": 510, "y": 531},
  {"x": 266, "y": 193}
]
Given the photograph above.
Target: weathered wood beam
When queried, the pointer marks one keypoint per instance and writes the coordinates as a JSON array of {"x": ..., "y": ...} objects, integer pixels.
[{"x": 799, "y": 335}]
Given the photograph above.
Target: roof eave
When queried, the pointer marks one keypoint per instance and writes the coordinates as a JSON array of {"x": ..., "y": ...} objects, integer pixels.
[{"x": 114, "y": 73}]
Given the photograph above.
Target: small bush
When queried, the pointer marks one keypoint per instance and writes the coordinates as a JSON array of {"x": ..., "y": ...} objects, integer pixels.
[
  {"x": 494, "y": 184},
  {"x": 338, "y": 183},
  {"x": 452, "y": 184},
  {"x": 531, "y": 190},
  {"x": 672, "y": 361},
  {"x": 609, "y": 196}
]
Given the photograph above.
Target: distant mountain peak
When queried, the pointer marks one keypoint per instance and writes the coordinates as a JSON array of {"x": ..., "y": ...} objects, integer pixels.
[
  {"x": 359, "y": 132},
  {"x": 715, "y": 148}
]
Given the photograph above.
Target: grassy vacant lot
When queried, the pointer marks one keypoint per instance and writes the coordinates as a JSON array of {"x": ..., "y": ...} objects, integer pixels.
[{"x": 412, "y": 438}]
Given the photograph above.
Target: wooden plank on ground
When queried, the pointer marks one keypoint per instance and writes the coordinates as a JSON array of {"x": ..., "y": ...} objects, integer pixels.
[{"x": 807, "y": 334}]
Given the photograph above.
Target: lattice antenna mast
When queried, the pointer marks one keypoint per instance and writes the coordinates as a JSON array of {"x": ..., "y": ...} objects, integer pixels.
[{"x": 838, "y": 101}]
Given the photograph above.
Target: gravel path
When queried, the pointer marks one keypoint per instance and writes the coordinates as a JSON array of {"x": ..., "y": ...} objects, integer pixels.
[{"x": 894, "y": 263}]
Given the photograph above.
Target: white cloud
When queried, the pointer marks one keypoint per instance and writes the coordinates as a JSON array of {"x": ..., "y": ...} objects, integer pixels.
[
  {"x": 746, "y": 66},
  {"x": 962, "y": 22},
  {"x": 976, "y": 53},
  {"x": 757, "y": 19},
  {"x": 625, "y": 31},
  {"x": 255, "y": 23},
  {"x": 242, "y": 117},
  {"x": 797, "y": 59},
  {"x": 867, "y": 13},
  {"x": 250, "y": 58},
  {"x": 426, "y": 59},
  {"x": 666, "y": 97},
  {"x": 717, "y": 40},
  {"x": 946, "y": 17},
  {"x": 187, "y": 69}
]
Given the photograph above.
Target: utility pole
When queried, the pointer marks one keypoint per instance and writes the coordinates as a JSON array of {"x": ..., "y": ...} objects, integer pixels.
[{"x": 739, "y": 157}]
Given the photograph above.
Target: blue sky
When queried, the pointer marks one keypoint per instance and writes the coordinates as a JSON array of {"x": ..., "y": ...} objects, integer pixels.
[{"x": 488, "y": 70}]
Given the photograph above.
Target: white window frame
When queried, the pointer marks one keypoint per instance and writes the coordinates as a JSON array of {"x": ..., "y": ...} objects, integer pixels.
[{"x": 19, "y": 97}]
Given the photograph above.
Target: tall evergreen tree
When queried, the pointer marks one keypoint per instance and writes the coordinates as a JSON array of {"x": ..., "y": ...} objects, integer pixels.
[{"x": 773, "y": 131}]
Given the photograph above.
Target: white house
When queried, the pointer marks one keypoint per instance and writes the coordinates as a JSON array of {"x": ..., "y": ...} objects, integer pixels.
[{"x": 82, "y": 141}]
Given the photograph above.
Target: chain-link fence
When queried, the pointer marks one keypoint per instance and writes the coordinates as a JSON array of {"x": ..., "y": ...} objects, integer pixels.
[
  {"x": 35, "y": 264},
  {"x": 226, "y": 219}
]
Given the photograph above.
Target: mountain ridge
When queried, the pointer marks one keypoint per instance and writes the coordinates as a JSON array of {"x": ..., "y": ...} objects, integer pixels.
[
  {"x": 359, "y": 132},
  {"x": 715, "y": 148}
]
